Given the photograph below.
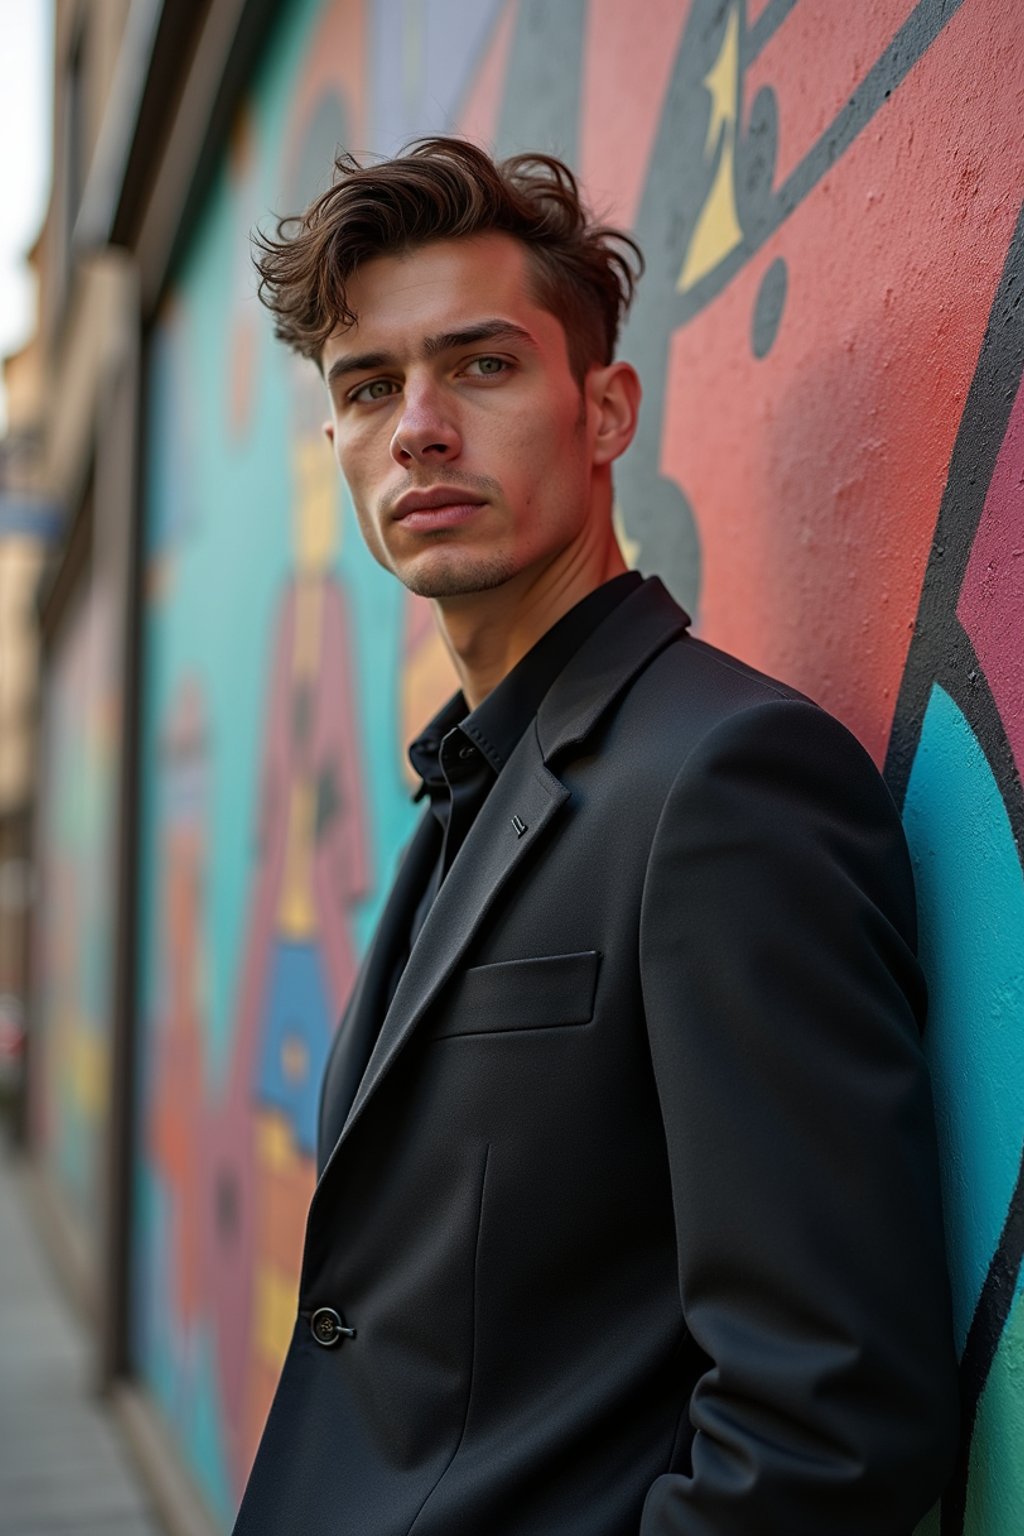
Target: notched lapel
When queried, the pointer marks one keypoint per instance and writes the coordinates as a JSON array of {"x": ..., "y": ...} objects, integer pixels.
[
  {"x": 605, "y": 665},
  {"x": 513, "y": 820},
  {"x": 351, "y": 1051}
]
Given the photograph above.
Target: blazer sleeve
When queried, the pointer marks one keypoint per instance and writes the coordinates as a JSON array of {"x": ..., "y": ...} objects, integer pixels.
[{"x": 784, "y": 1006}]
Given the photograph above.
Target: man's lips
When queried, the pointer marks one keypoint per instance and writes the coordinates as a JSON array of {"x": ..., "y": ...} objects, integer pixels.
[{"x": 443, "y": 507}]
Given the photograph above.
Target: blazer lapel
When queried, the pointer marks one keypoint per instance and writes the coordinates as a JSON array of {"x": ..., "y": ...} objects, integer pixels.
[
  {"x": 361, "y": 1023},
  {"x": 511, "y": 824},
  {"x": 603, "y": 668}
]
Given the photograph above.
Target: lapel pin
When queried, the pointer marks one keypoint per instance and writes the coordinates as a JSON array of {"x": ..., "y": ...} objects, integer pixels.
[{"x": 519, "y": 825}]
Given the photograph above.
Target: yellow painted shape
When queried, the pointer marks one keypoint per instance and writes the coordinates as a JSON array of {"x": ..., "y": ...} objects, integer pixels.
[
  {"x": 309, "y": 607},
  {"x": 717, "y": 231},
  {"x": 276, "y": 1145},
  {"x": 294, "y": 1059},
  {"x": 90, "y": 1072},
  {"x": 630, "y": 547},
  {"x": 275, "y": 1302},
  {"x": 296, "y": 915},
  {"x": 316, "y": 527}
]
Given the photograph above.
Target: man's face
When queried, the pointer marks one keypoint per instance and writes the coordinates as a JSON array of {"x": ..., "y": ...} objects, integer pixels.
[{"x": 456, "y": 421}]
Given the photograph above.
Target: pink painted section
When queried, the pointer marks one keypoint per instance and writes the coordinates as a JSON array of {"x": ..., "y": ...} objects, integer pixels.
[
  {"x": 419, "y": 621},
  {"x": 844, "y": 41},
  {"x": 816, "y": 472},
  {"x": 626, "y": 71},
  {"x": 478, "y": 119},
  {"x": 991, "y": 606},
  {"x": 335, "y": 63}
]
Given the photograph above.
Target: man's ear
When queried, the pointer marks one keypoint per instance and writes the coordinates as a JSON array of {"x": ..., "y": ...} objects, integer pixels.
[
  {"x": 328, "y": 431},
  {"x": 614, "y": 395}
]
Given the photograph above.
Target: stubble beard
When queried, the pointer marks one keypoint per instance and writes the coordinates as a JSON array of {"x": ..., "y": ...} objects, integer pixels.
[{"x": 480, "y": 575}]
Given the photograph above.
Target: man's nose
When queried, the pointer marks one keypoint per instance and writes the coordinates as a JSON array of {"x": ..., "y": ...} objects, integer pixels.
[{"x": 426, "y": 430}]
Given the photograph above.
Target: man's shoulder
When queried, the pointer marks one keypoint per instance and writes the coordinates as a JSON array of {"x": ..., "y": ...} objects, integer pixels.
[
  {"x": 698, "y": 705},
  {"x": 644, "y": 693},
  {"x": 691, "y": 687},
  {"x": 643, "y": 653},
  {"x": 698, "y": 676},
  {"x": 735, "y": 683}
]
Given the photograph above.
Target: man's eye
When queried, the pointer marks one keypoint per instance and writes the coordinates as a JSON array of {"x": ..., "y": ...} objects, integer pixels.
[
  {"x": 376, "y": 389},
  {"x": 488, "y": 366}
]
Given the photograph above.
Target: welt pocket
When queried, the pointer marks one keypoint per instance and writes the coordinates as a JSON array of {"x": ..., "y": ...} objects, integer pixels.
[{"x": 542, "y": 992}]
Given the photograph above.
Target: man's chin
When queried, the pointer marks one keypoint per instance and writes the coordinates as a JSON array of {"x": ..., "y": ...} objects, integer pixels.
[{"x": 439, "y": 578}]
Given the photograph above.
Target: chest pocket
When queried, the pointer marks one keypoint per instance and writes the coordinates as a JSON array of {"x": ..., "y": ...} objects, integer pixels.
[{"x": 546, "y": 992}]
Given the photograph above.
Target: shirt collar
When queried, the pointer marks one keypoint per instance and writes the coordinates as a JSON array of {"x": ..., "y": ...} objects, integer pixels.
[{"x": 498, "y": 722}]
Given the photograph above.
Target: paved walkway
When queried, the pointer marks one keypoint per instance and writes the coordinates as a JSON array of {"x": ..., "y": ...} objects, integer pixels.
[{"x": 63, "y": 1470}]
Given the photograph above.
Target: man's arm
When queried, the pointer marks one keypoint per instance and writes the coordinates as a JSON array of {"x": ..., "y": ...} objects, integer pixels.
[{"x": 784, "y": 1003}]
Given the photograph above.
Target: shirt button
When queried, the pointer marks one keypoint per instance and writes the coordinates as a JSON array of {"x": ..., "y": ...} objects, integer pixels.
[
  {"x": 327, "y": 1328},
  {"x": 467, "y": 752}
]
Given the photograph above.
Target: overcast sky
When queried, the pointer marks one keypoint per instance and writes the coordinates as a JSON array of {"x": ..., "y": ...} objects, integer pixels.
[{"x": 26, "y": 73}]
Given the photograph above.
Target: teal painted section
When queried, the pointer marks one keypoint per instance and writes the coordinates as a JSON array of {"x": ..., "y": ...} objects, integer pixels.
[
  {"x": 995, "y": 1502},
  {"x": 971, "y": 911}
]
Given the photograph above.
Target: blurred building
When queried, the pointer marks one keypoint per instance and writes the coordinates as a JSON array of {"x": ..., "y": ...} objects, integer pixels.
[
  {"x": 30, "y": 525},
  {"x": 203, "y": 807}
]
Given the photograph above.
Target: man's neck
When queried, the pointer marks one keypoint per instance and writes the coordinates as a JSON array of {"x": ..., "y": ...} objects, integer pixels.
[{"x": 489, "y": 632}]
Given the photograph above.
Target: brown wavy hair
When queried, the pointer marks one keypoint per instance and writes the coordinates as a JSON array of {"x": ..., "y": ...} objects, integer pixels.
[{"x": 582, "y": 272}]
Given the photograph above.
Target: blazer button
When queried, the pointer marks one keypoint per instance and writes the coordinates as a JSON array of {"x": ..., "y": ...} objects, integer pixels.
[{"x": 327, "y": 1328}]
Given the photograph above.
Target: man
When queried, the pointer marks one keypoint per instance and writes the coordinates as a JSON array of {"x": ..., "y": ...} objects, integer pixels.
[{"x": 627, "y": 1218}]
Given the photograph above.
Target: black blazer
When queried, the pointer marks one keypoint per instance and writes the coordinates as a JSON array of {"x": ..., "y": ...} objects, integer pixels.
[{"x": 634, "y": 1212}]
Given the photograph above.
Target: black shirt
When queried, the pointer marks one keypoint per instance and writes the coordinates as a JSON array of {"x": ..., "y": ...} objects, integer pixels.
[{"x": 460, "y": 753}]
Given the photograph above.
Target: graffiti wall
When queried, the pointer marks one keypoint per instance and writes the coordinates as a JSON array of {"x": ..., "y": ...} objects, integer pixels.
[
  {"x": 73, "y": 929},
  {"x": 829, "y": 474}
]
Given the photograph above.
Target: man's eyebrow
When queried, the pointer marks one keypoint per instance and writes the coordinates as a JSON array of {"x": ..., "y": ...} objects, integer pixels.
[
  {"x": 468, "y": 336},
  {"x": 433, "y": 346},
  {"x": 365, "y": 362}
]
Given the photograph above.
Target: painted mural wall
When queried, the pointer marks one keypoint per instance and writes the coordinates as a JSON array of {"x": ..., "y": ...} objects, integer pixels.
[
  {"x": 73, "y": 928},
  {"x": 829, "y": 474}
]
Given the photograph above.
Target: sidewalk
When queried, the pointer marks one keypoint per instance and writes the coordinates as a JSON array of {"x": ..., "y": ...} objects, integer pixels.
[{"x": 63, "y": 1470}]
